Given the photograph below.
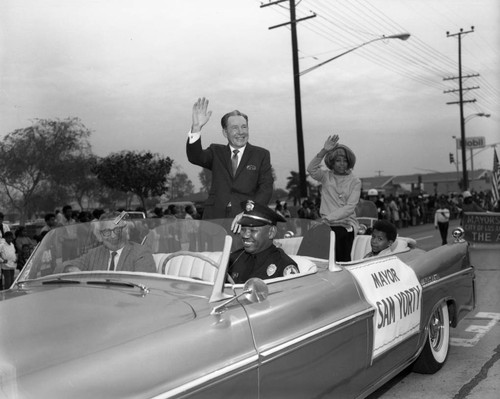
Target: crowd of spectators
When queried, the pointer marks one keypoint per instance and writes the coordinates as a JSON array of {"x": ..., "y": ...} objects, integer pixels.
[{"x": 412, "y": 210}]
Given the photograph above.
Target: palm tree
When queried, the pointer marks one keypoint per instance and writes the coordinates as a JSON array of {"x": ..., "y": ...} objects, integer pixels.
[{"x": 293, "y": 187}]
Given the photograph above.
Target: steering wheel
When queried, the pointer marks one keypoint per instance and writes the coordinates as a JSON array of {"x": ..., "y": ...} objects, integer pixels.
[{"x": 188, "y": 253}]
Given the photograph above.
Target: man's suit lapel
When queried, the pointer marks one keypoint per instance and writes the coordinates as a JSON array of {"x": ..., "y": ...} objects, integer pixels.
[
  {"x": 123, "y": 257},
  {"x": 227, "y": 160}
]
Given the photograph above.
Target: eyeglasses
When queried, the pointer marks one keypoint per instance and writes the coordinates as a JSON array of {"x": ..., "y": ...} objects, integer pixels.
[{"x": 115, "y": 231}]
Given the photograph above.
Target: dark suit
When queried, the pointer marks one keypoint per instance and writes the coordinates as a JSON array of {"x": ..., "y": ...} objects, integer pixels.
[
  {"x": 253, "y": 179},
  {"x": 133, "y": 258}
]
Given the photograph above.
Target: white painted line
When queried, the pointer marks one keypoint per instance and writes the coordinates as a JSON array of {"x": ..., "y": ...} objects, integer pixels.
[{"x": 480, "y": 331}]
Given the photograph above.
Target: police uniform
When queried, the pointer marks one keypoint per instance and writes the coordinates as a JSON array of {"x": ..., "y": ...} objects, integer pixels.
[{"x": 271, "y": 262}]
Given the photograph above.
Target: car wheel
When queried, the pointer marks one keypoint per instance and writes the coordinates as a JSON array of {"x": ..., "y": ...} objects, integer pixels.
[{"x": 435, "y": 351}]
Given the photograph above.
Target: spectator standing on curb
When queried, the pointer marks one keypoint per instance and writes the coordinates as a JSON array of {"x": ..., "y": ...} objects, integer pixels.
[
  {"x": 394, "y": 211},
  {"x": 22, "y": 238},
  {"x": 8, "y": 258},
  {"x": 50, "y": 223},
  {"x": 340, "y": 193},
  {"x": 442, "y": 220},
  {"x": 65, "y": 217},
  {"x": 286, "y": 211},
  {"x": 3, "y": 227},
  {"x": 24, "y": 255},
  {"x": 469, "y": 205},
  {"x": 304, "y": 212},
  {"x": 67, "y": 236}
]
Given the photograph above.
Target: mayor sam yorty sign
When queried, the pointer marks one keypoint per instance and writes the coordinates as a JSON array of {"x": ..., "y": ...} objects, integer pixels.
[{"x": 393, "y": 289}]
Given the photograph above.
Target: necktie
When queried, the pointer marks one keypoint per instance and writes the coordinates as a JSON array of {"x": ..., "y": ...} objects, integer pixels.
[
  {"x": 112, "y": 263},
  {"x": 234, "y": 161}
]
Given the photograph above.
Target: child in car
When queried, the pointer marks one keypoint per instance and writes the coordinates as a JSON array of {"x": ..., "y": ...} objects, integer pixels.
[{"x": 383, "y": 236}]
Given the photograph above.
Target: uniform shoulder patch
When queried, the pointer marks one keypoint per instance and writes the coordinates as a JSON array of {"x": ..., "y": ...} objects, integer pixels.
[{"x": 290, "y": 269}]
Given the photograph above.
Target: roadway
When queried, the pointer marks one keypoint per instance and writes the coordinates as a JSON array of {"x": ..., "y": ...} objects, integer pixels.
[{"x": 472, "y": 370}]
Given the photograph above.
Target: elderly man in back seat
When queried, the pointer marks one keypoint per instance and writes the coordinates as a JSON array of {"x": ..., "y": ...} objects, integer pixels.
[
  {"x": 259, "y": 257},
  {"x": 116, "y": 253}
]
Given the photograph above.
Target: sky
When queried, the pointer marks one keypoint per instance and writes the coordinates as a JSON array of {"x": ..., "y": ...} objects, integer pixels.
[{"x": 132, "y": 69}]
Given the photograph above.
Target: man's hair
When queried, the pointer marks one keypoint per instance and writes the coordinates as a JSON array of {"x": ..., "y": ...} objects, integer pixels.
[
  {"x": 48, "y": 216},
  {"x": 224, "y": 119},
  {"x": 66, "y": 207},
  {"x": 8, "y": 234},
  {"x": 112, "y": 216},
  {"x": 386, "y": 227}
]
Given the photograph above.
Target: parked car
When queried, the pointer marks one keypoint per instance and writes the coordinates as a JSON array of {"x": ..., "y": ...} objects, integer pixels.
[{"x": 335, "y": 329}]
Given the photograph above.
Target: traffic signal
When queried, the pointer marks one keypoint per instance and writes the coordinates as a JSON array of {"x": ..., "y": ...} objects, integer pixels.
[{"x": 452, "y": 159}]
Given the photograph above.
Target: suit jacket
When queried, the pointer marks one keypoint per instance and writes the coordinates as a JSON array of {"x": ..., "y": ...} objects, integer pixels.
[
  {"x": 253, "y": 179},
  {"x": 134, "y": 258}
]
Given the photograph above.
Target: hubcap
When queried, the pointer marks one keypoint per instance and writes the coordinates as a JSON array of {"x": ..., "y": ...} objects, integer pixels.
[{"x": 436, "y": 329}]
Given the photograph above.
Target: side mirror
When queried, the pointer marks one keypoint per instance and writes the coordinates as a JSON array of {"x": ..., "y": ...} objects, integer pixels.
[{"x": 254, "y": 290}]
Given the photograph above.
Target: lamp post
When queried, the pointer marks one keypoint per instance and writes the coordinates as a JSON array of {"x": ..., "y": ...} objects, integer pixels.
[
  {"x": 467, "y": 119},
  {"x": 298, "y": 107},
  {"x": 400, "y": 36}
]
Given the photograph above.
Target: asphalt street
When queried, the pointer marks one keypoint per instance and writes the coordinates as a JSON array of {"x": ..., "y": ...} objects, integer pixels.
[{"x": 472, "y": 370}]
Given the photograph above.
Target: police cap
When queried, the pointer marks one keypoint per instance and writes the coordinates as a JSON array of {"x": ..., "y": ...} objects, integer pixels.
[{"x": 255, "y": 215}]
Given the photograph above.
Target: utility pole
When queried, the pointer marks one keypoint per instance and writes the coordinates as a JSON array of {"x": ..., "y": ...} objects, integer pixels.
[
  {"x": 296, "y": 85},
  {"x": 461, "y": 101}
]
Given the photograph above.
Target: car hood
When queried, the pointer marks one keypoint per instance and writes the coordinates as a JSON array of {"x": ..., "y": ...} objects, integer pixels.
[{"x": 50, "y": 325}]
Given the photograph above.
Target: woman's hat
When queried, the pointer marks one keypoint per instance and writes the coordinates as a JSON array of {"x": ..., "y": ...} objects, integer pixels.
[{"x": 340, "y": 149}]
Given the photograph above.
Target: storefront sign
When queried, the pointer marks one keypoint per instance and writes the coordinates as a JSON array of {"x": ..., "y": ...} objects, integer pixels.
[{"x": 472, "y": 142}]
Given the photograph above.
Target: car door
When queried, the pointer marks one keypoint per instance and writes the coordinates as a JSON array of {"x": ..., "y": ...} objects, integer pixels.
[{"x": 311, "y": 334}]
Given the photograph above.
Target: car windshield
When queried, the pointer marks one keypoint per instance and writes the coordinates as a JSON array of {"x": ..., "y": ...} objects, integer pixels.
[
  {"x": 87, "y": 247},
  {"x": 77, "y": 247}
]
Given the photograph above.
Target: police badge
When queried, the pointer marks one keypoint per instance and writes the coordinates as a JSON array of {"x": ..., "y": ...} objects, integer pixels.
[
  {"x": 249, "y": 206},
  {"x": 271, "y": 269}
]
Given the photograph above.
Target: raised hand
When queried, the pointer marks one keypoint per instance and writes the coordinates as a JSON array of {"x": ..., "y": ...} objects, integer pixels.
[
  {"x": 200, "y": 114},
  {"x": 331, "y": 142}
]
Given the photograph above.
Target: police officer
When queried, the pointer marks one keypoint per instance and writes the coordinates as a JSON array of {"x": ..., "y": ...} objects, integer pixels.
[{"x": 259, "y": 257}]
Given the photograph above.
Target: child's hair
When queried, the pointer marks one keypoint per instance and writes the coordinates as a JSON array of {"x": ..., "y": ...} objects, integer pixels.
[
  {"x": 387, "y": 227},
  {"x": 8, "y": 234}
]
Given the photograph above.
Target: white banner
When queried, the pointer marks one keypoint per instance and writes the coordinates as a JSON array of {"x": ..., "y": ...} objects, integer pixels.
[{"x": 393, "y": 289}]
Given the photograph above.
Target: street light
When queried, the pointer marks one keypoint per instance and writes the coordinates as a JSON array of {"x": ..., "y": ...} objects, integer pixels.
[
  {"x": 298, "y": 107},
  {"x": 468, "y": 118},
  {"x": 400, "y": 36}
]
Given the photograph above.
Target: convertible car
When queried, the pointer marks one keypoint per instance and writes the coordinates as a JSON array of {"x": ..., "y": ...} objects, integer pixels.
[{"x": 334, "y": 330}]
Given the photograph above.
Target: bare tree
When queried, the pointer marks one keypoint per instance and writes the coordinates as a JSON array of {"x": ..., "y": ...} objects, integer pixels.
[{"x": 35, "y": 156}]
